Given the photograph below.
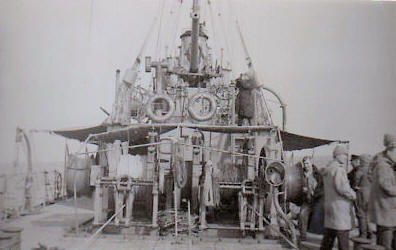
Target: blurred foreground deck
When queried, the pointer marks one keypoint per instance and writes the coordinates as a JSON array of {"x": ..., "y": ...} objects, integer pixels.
[{"x": 51, "y": 227}]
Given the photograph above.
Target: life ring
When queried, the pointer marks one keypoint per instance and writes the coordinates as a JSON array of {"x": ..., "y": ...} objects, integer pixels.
[
  {"x": 196, "y": 115},
  {"x": 151, "y": 110}
]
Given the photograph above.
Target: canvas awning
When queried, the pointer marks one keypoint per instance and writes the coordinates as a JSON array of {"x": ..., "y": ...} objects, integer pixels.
[
  {"x": 298, "y": 142},
  {"x": 137, "y": 134},
  {"x": 80, "y": 133}
]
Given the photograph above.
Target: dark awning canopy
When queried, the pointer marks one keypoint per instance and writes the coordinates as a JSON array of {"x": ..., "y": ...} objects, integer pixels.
[
  {"x": 137, "y": 134},
  {"x": 80, "y": 133},
  {"x": 298, "y": 142}
]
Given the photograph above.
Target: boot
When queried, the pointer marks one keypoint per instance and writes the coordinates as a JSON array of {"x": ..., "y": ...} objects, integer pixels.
[{"x": 363, "y": 227}]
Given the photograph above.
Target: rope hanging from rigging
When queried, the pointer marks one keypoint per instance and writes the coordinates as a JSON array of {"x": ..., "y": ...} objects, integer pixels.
[{"x": 179, "y": 166}]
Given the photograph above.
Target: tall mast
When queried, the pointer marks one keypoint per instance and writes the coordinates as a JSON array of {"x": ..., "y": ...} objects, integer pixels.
[{"x": 194, "y": 62}]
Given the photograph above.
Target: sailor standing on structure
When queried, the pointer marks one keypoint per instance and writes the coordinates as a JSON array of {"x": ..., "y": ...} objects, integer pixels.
[
  {"x": 383, "y": 194},
  {"x": 244, "y": 103},
  {"x": 338, "y": 206}
]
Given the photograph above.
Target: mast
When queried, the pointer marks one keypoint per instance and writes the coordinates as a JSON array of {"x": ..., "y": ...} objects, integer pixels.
[{"x": 194, "y": 38}]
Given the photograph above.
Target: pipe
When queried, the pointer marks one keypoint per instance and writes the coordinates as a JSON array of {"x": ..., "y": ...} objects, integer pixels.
[
  {"x": 29, "y": 176},
  {"x": 274, "y": 228},
  {"x": 194, "y": 61},
  {"x": 275, "y": 197}
]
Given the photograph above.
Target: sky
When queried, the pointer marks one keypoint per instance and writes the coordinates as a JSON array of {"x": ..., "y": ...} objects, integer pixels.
[{"x": 332, "y": 62}]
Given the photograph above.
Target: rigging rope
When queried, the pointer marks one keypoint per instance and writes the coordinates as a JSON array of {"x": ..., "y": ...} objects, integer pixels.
[
  {"x": 228, "y": 50},
  {"x": 176, "y": 30},
  {"x": 173, "y": 26},
  {"x": 168, "y": 25},
  {"x": 158, "y": 46},
  {"x": 203, "y": 12},
  {"x": 215, "y": 45}
]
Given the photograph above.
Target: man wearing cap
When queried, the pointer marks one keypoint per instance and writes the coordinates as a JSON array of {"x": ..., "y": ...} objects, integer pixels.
[
  {"x": 362, "y": 187},
  {"x": 312, "y": 192},
  {"x": 338, "y": 196},
  {"x": 383, "y": 194}
]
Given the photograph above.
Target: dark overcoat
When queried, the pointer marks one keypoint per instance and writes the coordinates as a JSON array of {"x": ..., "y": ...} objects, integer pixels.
[{"x": 382, "y": 205}]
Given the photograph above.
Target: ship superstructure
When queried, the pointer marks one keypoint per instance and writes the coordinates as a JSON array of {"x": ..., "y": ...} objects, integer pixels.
[{"x": 195, "y": 141}]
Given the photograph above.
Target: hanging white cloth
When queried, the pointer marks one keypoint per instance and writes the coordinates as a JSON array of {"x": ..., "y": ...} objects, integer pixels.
[
  {"x": 113, "y": 157},
  {"x": 129, "y": 165}
]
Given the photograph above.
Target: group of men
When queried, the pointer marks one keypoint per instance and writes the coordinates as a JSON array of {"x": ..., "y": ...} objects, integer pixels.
[{"x": 369, "y": 191}]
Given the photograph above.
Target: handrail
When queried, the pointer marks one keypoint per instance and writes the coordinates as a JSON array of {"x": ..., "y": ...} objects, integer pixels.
[{"x": 283, "y": 105}]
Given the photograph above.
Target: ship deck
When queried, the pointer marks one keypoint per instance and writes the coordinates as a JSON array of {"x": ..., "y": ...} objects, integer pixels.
[{"x": 51, "y": 227}]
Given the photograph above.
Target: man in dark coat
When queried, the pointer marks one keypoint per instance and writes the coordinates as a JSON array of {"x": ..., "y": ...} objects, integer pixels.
[
  {"x": 312, "y": 192},
  {"x": 338, "y": 196},
  {"x": 362, "y": 187},
  {"x": 244, "y": 103},
  {"x": 355, "y": 163},
  {"x": 383, "y": 194}
]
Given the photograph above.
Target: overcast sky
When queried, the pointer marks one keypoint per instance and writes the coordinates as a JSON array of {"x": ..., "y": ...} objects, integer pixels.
[{"x": 333, "y": 62}]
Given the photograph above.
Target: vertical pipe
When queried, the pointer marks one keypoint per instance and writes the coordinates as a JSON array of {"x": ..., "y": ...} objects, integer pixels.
[
  {"x": 97, "y": 204},
  {"x": 253, "y": 214},
  {"x": 255, "y": 120},
  {"x": 75, "y": 204},
  {"x": 175, "y": 205},
  {"x": 121, "y": 195},
  {"x": 117, "y": 86},
  {"x": 158, "y": 79},
  {"x": 46, "y": 184},
  {"x": 261, "y": 211},
  {"x": 189, "y": 225},
  {"x": 155, "y": 204},
  {"x": 64, "y": 191},
  {"x": 29, "y": 176},
  {"x": 115, "y": 114},
  {"x": 117, "y": 206},
  {"x": 188, "y": 218},
  {"x": 194, "y": 61},
  {"x": 242, "y": 214},
  {"x": 129, "y": 206}
]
